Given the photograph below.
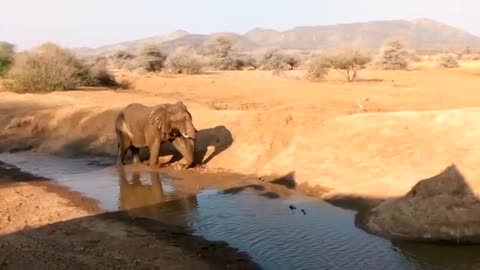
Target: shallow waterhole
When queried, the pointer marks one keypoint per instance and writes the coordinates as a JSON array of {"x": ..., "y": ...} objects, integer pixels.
[{"x": 278, "y": 230}]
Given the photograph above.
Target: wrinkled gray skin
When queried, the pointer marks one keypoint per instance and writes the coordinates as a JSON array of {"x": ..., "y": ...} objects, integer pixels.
[{"x": 139, "y": 126}]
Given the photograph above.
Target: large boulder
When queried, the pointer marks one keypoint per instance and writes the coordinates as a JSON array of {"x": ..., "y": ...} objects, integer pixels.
[{"x": 438, "y": 209}]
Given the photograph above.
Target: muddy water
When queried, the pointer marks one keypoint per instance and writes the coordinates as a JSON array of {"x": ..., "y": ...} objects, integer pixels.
[{"x": 278, "y": 231}]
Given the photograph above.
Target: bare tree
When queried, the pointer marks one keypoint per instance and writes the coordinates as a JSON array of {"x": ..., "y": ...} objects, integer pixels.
[{"x": 348, "y": 63}]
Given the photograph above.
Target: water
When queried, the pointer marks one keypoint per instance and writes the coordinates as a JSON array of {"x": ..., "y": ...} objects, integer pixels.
[{"x": 319, "y": 237}]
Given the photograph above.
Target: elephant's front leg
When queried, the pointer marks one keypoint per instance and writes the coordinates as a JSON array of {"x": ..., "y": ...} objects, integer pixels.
[
  {"x": 186, "y": 147},
  {"x": 154, "y": 152}
]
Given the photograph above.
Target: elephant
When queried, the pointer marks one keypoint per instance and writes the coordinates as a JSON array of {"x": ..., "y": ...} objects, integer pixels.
[{"x": 140, "y": 126}]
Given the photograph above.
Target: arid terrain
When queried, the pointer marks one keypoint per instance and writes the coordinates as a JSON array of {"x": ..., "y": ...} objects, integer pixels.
[{"x": 370, "y": 139}]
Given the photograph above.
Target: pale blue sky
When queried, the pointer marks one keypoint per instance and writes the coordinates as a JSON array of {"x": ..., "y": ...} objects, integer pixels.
[{"x": 93, "y": 23}]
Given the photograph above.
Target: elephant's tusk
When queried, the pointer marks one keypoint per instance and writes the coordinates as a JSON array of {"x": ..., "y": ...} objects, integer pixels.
[{"x": 185, "y": 135}]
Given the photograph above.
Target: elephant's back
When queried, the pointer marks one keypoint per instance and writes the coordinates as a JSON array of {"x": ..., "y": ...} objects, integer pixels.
[
  {"x": 136, "y": 108},
  {"x": 136, "y": 113}
]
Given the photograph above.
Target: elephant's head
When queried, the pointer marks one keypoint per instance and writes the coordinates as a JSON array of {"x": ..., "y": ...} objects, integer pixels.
[{"x": 174, "y": 119}]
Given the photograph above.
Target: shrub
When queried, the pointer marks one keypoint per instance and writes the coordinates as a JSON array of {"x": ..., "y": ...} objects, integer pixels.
[
  {"x": 348, "y": 63},
  {"x": 394, "y": 56},
  {"x": 447, "y": 61},
  {"x": 7, "y": 53},
  {"x": 121, "y": 59},
  {"x": 184, "y": 60},
  {"x": 247, "y": 61},
  {"x": 50, "y": 67},
  {"x": 220, "y": 52},
  {"x": 317, "y": 67},
  {"x": 125, "y": 84},
  {"x": 150, "y": 58},
  {"x": 471, "y": 57},
  {"x": 274, "y": 59},
  {"x": 46, "y": 68},
  {"x": 97, "y": 74}
]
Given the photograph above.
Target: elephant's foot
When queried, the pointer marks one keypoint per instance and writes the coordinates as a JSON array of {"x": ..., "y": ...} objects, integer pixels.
[
  {"x": 165, "y": 159},
  {"x": 181, "y": 166},
  {"x": 151, "y": 164}
]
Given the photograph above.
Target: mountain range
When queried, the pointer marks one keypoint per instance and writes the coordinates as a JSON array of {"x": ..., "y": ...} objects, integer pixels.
[{"x": 420, "y": 34}]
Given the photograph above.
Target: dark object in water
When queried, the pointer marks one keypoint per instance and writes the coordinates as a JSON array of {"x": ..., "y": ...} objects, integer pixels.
[
  {"x": 303, "y": 211},
  {"x": 292, "y": 207}
]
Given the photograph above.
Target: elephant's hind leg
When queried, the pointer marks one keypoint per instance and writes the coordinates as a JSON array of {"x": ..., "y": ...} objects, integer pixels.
[{"x": 123, "y": 145}]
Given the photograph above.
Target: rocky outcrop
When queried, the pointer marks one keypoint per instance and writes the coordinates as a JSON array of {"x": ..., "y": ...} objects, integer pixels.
[{"x": 438, "y": 209}]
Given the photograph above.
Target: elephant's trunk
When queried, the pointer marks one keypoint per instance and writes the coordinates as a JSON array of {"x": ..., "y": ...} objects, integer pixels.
[{"x": 191, "y": 132}]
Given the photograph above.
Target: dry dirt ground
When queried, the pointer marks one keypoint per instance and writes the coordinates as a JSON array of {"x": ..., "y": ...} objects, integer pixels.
[{"x": 370, "y": 139}]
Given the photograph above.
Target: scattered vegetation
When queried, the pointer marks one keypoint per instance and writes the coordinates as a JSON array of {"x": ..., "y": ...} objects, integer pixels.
[
  {"x": 121, "y": 60},
  {"x": 316, "y": 67},
  {"x": 184, "y": 60},
  {"x": 220, "y": 52},
  {"x": 50, "y": 67},
  {"x": 7, "y": 53},
  {"x": 348, "y": 63},
  {"x": 247, "y": 61},
  {"x": 447, "y": 60},
  {"x": 274, "y": 59},
  {"x": 97, "y": 74},
  {"x": 394, "y": 56},
  {"x": 45, "y": 68},
  {"x": 150, "y": 58}
]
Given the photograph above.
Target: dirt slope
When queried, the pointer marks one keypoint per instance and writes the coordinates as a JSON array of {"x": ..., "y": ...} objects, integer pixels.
[{"x": 410, "y": 125}]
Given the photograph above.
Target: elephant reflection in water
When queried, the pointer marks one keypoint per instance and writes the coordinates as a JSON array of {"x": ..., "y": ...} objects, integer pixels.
[{"x": 150, "y": 201}]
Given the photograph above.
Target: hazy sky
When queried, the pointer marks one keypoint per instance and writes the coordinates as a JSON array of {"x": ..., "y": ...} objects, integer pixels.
[{"x": 93, "y": 23}]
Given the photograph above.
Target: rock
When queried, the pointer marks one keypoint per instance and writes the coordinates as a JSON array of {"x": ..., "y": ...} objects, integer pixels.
[{"x": 438, "y": 209}]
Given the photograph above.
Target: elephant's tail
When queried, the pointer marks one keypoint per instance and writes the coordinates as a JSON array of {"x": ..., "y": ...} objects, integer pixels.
[{"x": 121, "y": 128}]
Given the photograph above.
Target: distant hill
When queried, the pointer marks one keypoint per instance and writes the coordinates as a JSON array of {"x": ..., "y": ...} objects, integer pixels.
[{"x": 419, "y": 34}]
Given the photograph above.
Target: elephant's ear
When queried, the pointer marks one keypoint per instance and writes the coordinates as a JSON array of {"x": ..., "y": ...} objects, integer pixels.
[
  {"x": 181, "y": 105},
  {"x": 159, "y": 118}
]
